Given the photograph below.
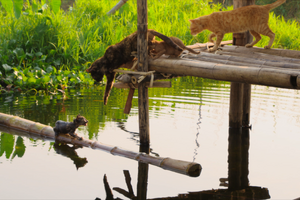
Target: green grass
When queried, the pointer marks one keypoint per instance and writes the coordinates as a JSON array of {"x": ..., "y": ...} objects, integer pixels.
[{"x": 47, "y": 51}]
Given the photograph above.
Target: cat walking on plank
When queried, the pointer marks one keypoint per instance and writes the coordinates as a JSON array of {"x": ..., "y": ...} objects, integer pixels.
[{"x": 253, "y": 18}]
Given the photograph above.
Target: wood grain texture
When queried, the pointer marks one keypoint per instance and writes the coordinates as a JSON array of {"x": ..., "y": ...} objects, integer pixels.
[{"x": 142, "y": 49}]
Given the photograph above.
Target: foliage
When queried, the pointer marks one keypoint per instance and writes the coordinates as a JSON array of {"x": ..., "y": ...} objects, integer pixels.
[
  {"x": 44, "y": 50},
  {"x": 290, "y": 9}
]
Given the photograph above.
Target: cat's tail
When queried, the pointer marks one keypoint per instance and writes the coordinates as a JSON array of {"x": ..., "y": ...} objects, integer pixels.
[
  {"x": 192, "y": 50},
  {"x": 275, "y": 4},
  {"x": 166, "y": 39}
]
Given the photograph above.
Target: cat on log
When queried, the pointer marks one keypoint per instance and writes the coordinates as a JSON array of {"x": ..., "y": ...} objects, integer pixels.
[{"x": 253, "y": 18}]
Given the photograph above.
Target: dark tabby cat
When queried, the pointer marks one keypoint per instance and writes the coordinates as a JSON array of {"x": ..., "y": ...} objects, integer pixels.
[{"x": 119, "y": 54}]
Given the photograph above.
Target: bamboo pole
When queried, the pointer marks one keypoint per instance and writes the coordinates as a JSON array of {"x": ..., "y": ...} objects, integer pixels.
[
  {"x": 156, "y": 84},
  {"x": 277, "y": 52},
  {"x": 208, "y": 44},
  {"x": 260, "y": 56},
  {"x": 261, "y": 76},
  {"x": 238, "y": 60},
  {"x": 117, "y": 7},
  {"x": 26, "y": 126},
  {"x": 142, "y": 51}
]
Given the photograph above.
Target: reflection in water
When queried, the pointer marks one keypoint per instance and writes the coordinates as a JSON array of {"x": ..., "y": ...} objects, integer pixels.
[
  {"x": 7, "y": 146},
  {"x": 10, "y": 147},
  {"x": 237, "y": 181},
  {"x": 134, "y": 135},
  {"x": 67, "y": 151},
  {"x": 198, "y": 131}
]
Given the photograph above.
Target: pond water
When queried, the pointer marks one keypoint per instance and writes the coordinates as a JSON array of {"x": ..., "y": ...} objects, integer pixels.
[{"x": 188, "y": 122}]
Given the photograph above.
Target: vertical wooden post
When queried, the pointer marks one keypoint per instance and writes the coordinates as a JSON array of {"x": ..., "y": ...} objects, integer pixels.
[
  {"x": 236, "y": 105},
  {"x": 142, "y": 184},
  {"x": 142, "y": 45},
  {"x": 240, "y": 94}
]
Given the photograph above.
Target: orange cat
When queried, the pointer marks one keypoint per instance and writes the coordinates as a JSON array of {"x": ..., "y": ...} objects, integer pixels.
[{"x": 253, "y": 18}]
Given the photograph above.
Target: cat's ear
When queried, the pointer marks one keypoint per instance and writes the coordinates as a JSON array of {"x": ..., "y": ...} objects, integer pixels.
[{"x": 192, "y": 21}]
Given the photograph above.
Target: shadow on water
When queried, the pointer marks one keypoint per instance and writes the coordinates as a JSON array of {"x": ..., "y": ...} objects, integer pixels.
[{"x": 237, "y": 181}]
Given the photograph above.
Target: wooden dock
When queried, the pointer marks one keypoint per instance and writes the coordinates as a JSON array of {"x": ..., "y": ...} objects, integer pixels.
[{"x": 269, "y": 67}]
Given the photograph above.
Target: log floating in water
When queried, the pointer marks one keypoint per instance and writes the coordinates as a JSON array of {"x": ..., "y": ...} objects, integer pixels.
[
  {"x": 262, "y": 76},
  {"x": 187, "y": 168}
]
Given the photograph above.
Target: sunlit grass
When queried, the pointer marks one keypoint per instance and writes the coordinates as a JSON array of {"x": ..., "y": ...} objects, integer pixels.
[{"x": 70, "y": 41}]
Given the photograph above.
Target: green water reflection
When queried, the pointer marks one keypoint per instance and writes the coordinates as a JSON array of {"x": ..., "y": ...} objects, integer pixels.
[
  {"x": 11, "y": 146},
  {"x": 47, "y": 109},
  {"x": 193, "y": 113}
]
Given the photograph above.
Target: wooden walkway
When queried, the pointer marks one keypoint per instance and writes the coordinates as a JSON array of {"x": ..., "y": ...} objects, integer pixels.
[{"x": 269, "y": 67}]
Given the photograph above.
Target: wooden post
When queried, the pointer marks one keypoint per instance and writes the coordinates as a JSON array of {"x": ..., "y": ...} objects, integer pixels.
[
  {"x": 236, "y": 105},
  {"x": 240, "y": 94},
  {"x": 129, "y": 101},
  {"x": 142, "y": 45}
]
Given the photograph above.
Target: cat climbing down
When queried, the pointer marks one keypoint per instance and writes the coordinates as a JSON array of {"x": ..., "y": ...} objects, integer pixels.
[
  {"x": 253, "y": 18},
  {"x": 119, "y": 54},
  {"x": 158, "y": 48}
]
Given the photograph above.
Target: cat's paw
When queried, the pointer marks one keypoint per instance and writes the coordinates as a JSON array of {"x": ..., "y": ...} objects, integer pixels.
[
  {"x": 212, "y": 49},
  {"x": 248, "y": 45}
]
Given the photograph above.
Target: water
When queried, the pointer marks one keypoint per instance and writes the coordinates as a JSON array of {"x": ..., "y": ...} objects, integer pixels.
[{"x": 187, "y": 122}]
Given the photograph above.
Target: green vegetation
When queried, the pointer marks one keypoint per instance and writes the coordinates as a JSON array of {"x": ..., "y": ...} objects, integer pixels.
[
  {"x": 45, "y": 51},
  {"x": 289, "y": 10}
]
